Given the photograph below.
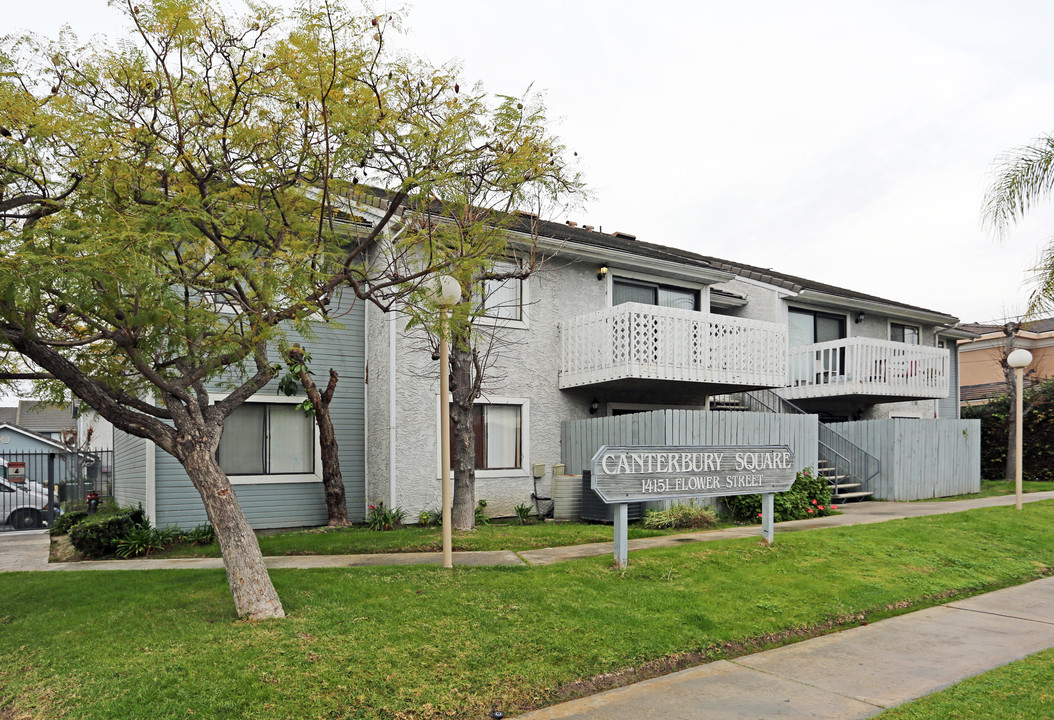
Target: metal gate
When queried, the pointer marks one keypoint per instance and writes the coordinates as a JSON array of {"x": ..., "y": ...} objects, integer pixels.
[{"x": 36, "y": 486}]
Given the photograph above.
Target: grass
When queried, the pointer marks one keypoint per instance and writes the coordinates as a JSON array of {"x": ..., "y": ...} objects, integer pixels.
[
  {"x": 1023, "y": 690},
  {"x": 412, "y": 538},
  {"x": 994, "y": 488},
  {"x": 421, "y": 642}
]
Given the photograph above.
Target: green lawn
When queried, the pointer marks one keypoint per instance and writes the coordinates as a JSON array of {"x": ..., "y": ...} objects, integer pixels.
[
  {"x": 421, "y": 642},
  {"x": 1023, "y": 690},
  {"x": 992, "y": 488},
  {"x": 412, "y": 538}
]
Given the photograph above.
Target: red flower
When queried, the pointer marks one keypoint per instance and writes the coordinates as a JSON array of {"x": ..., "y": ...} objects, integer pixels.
[
  {"x": 834, "y": 507},
  {"x": 813, "y": 502},
  {"x": 371, "y": 507},
  {"x": 810, "y": 511},
  {"x": 759, "y": 514}
]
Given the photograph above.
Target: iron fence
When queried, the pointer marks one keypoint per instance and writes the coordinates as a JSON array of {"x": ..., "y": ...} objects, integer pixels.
[{"x": 35, "y": 485}]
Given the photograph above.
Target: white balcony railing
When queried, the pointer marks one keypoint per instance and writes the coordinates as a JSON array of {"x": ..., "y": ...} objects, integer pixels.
[
  {"x": 866, "y": 366},
  {"x": 635, "y": 341}
]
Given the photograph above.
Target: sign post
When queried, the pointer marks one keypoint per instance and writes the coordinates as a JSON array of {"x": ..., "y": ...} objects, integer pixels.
[{"x": 623, "y": 474}]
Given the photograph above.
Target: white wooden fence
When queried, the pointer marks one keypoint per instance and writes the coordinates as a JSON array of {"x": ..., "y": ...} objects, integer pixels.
[{"x": 920, "y": 458}]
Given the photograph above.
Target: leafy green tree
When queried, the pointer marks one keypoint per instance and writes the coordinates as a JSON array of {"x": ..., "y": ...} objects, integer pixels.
[{"x": 171, "y": 204}]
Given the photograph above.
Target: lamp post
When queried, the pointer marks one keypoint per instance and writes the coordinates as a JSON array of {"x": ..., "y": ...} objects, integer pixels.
[
  {"x": 1019, "y": 360},
  {"x": 446, "y": 292}
]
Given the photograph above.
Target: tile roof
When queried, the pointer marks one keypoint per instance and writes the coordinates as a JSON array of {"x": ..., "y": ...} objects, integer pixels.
[{"x": 34, "y": 415}]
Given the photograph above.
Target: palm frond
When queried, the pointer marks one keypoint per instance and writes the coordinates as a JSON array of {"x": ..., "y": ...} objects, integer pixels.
[{"x": 1023, "y": 178}]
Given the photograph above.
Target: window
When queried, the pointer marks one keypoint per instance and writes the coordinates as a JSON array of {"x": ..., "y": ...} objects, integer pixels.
[
  {"x": 904, "y": 333},
  {"x": 808, "y": 327},
  {"x": 638, "y": 291},
  {"x": 499, "y": 436},
  {"x": 503, "y": 299},
  {"x": 267, "y": 439}
]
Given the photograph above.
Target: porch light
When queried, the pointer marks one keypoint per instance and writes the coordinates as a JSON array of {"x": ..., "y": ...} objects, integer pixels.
[
  {"x": 445, "y": 292},
  {"x": 594, "y": 406},
  {"x": 1019, "y": 359},
  {"x": 859, "y": 318},
  {"x": 602, "y": 272}
]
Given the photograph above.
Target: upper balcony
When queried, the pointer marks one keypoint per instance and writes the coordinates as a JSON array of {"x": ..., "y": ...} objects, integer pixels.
[
  {"x": 633, "y": 341},
  {"x": 879, "y": 370}
]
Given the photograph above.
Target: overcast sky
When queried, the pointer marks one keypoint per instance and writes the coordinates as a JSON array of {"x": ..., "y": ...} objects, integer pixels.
[{"x": 846, "y": 142}]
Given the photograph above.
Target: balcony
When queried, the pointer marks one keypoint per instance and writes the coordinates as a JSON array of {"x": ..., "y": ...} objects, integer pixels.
[
  {"x": 880, "y": 370},
  {"x": 632, "y": 341}
]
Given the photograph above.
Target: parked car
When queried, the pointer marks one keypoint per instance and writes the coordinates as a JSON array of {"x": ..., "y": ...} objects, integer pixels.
[{"x": 23, "y": 506}]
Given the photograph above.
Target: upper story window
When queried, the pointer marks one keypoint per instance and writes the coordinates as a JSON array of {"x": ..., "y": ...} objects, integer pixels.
[
  {"x": 806, "y": 327},
  {"x": 503, "y": 299},
  {"x": 267, "y": 439},
  {"x": 647, "y": 293},
  {"x": 904, "y": 333}
]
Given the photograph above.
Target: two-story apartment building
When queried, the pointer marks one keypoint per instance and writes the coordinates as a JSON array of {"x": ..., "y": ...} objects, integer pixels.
[{"x": 608, "y": 325}]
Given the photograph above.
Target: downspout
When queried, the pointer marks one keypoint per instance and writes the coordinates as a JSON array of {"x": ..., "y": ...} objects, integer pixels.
[{"x": 392, "y": 502}]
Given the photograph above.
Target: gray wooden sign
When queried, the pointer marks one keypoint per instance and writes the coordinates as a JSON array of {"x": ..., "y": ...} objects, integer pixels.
[{"x": 634, "y": 473}]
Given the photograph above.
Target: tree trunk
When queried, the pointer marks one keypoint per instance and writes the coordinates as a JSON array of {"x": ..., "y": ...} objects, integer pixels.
[
  {"x": 332, "y": 480},
  {"x": 254, "y": 594},
  {"x": 463, "y": 437}
]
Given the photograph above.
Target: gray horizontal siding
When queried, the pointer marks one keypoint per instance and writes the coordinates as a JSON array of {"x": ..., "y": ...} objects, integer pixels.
[
  {"x": 340, "y": 345},
  {"x": 129, "y": 469}
]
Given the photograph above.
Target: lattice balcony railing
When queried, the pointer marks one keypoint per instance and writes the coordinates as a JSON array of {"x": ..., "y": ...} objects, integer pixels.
[{"x": 649, "y": 342}]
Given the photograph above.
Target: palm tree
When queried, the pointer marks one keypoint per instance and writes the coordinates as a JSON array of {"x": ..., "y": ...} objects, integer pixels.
[{"x": 1023, "y": 178}]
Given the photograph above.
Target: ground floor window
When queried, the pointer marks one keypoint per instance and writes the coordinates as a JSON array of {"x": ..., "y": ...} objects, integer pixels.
[
  {"x": 499, "y": 436},
  {"x": 267, "y": 439}
]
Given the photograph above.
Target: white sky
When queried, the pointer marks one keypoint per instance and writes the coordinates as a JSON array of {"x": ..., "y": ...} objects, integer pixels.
[{"x": 849, "y": 142}]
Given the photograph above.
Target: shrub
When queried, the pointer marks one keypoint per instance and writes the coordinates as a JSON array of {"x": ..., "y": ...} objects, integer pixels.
[
  {"x": 382, "y": 518},
  {"x": 99, "y": 535},
  {"x": 203, "y": 534},
  {"x": 143, "y": 539},
  {"x": 681, "y": 515},
  {"x": 523, "y": 513},
  {"x": 481, "y": 513},
  {"x": 809, "y": 497},
  {"x": 64, "y": 522},
  {"x": 996, "y": 418}
]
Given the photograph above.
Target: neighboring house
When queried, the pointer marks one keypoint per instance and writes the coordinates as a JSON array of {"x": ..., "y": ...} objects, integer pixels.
[
  {"x": 94, "y": 432},
  {"x": 609, "y": 325},
  {"x": 982, "y": 356},
  {"x": 55, "y": 422}
]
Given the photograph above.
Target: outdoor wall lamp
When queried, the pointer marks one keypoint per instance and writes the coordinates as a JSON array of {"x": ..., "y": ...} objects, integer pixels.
[
  {"x": 594, "y": 406},
  {"x": 859, "y": 318},
  {"x": 602, "y": 272}
]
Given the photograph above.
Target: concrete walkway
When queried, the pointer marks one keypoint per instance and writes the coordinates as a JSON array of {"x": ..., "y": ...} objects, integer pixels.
[
  {"x": 851, "y": 674},
  {"x": 29, "y": 550}
]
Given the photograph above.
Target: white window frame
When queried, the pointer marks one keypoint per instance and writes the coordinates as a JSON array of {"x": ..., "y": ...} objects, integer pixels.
[
  {"x": 482, "y": 319},
  {"x": 525, "y": 439},
  {"x": 283, "y": 478}
]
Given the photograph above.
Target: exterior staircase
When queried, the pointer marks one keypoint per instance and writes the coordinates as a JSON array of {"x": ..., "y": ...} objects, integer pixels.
[{"x": 847, "y": 467}]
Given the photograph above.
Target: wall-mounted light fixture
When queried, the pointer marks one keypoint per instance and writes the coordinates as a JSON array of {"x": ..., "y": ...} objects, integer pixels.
[
  {"x": 594, "y": 406},
  {"x": 602, "y": 272},
  {"x": 859, "y": 318}
]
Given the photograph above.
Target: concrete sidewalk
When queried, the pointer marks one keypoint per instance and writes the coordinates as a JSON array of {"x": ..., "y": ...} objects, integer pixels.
[
  {"x": 851, "y": 674},
  {"x": 29, "y": 550}
]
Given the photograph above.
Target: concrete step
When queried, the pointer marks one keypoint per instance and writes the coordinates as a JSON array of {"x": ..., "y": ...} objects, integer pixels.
[{"x": 842, "y": 497}]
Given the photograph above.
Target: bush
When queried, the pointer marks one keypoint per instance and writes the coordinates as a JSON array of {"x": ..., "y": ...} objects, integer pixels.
[
  {"x": 100, "y": 535},
  {"x": 481, "y": 513},
  {"x": 203, "y": 534},
  {"x": 1038, "y": 449},
  {"x": 143, "y": 539},
  {"x": 523, "y": 513},
  {"x": 808, "y": 497},
  {"x": 64, "y": 522},
  {"x": 681, "y": 515}
]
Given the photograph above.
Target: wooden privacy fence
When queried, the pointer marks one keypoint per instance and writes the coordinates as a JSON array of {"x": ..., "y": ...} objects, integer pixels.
[
  {"x": 920, "y": 458},
  {"x": 580, "y": 439}
]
